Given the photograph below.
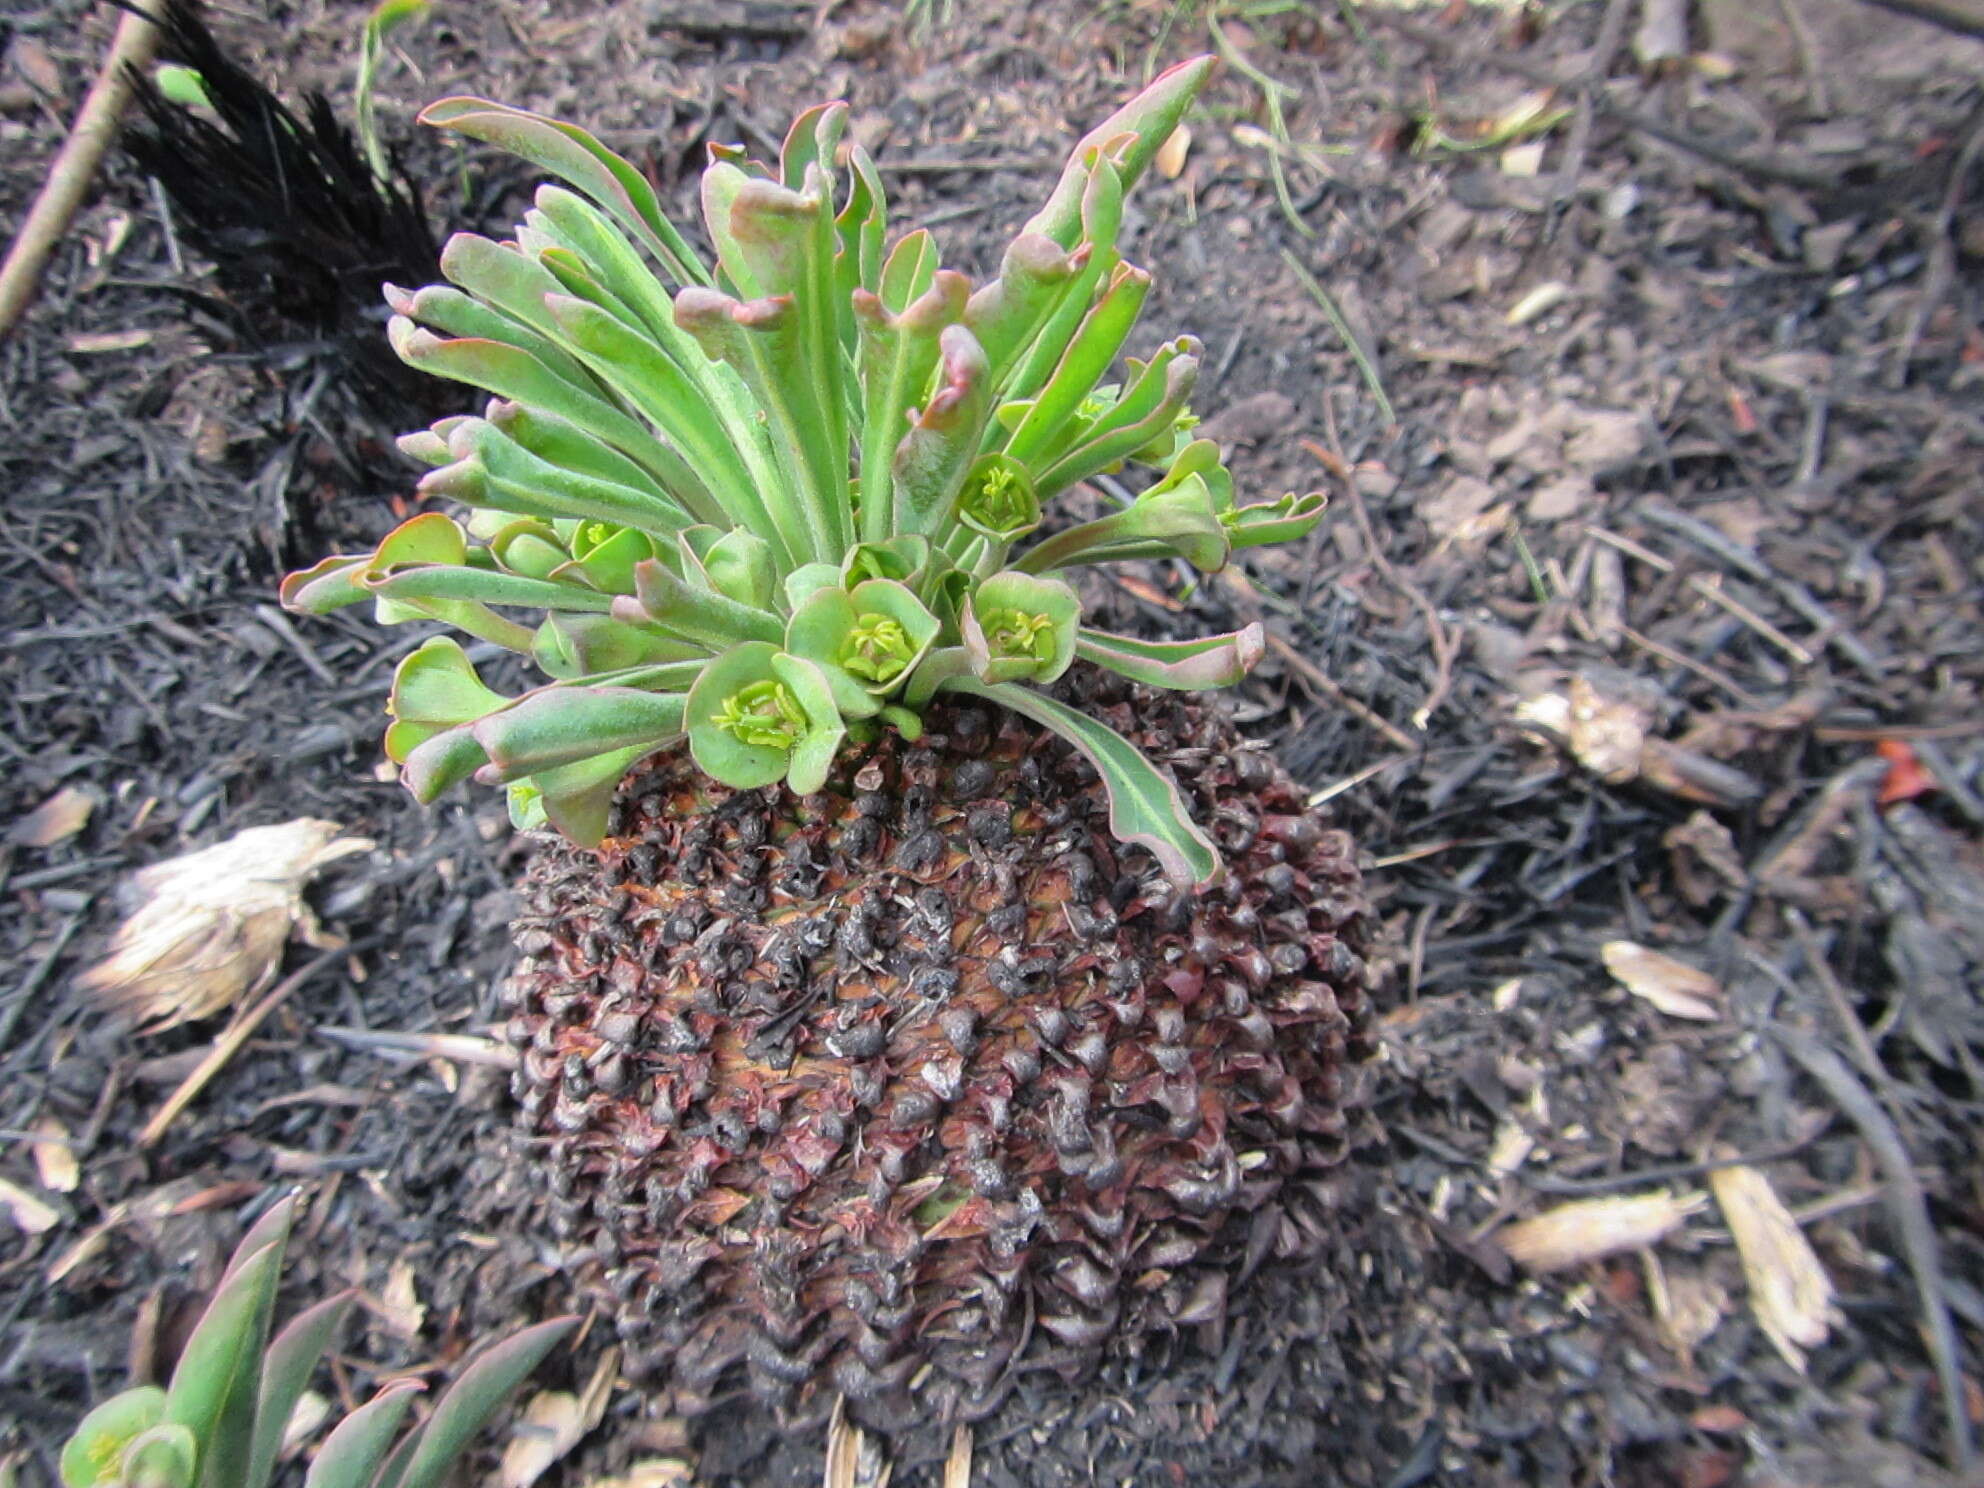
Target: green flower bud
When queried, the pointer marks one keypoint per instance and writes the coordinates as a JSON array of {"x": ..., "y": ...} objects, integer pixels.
[{"x": 763, "y": 715}]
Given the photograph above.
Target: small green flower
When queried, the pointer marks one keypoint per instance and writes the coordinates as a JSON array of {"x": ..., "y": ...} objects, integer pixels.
[
  {"x": 998, "y": 500},
  {"x": 1014, "y": 633},
  {"x": 1020, "y": 628},
  {"x": 763, "y": 715},
  {"x": 877, "y": 649},
  {"x": 758, "y": 714},
  {"x": 865, "y": 642}
]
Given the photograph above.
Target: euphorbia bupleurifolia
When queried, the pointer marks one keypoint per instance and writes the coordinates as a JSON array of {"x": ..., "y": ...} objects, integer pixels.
[{"x": 780, "y": 502}]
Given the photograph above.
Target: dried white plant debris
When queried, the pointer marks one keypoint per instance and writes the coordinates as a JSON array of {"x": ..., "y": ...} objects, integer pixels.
[{"x": 211, "y": 925}]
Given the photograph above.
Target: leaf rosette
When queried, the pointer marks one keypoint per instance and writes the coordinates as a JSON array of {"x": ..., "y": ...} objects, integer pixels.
[{"x": 773, "y": 502}]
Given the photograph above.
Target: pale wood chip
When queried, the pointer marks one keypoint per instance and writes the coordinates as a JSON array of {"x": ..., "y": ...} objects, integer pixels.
[
  {"x": 1591, "y": 1229},
  {"x": 1790, "y": 1292},
  {"x": 1674, "y": 987}
]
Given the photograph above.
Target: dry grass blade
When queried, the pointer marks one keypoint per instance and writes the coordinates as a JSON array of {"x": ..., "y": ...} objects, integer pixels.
[
  {"x": 226, "y": 1047},
  {"x": 1789, "y": 1290},
  {"x": 75, "y": 166},
  {"x": 852, "y": 1460},
  {"x": 1592, "y": 1229},
  {"x": 211, "y": 925}
]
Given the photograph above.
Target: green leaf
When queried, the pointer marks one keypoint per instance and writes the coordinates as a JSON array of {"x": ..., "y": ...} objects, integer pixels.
[
  {"x": 1144, "y": 804},
  {"x": 510, "y": 372},
  {"x": 574, "y": 156},
  {"x": 181, "y": 85},
  {"x": 1185, "y": 666},
  {"x": 564, "y": 724},
  {"x": 271, "y": 1229},
  {"x": 1179, "y": 520},
  {"x": 444, "y": 308},
  {"x": 739, "y": 565},
  {"x": 434, "y": 688},
  {"x": 1134, "y": 134},
  {"x": 439, "y": 764},
  {"x": 493, "y": 470},
  {"x": 425, "y": 1457},
  {"x": 569, "y": 646},
  {"x": 763, "y": 340},
  {"x": 1005, "y": 314},
  {"x": 931, "y": 461},
  {"x": 351, "y": 1454},
  {"x": 566, "y": 446},
  {"x": 214, "y": 1387},
  {"x": 92, "y": 1456},
  {"x": 897, "y": 353},
  {"x": 1102, "y": 219},
  {"x": 1149, "y": 410},
  {"x": 1020, "y": 628},
  {"x": 446, "y": 582},
  {"x": 1280, "y": 521},
  {"x": 286, "y": 1369},
  {"x": 701, "y": 615},
  {"x": 1083, "y": 364},
  {"x": 673, "y": 401},
  {"x": 578, "y": 798},
  {"x": 808, "y": 579},
  {"x": 328, "y": 585},
  {"x": 528, "y": 547},
  {"x": 164, "y": 1457}
]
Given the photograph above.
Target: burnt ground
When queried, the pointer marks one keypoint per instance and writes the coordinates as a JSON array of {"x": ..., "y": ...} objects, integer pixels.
[{"x": 1667, "y": 433}]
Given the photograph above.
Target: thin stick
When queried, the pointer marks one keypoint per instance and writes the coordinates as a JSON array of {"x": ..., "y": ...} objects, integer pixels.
[
  {"x": 1316, "y": 677},
  {"x": 957, "y": 1467},
  {"x": 1910, "y": 1211},
  {"x": 1688, "y": 663},
  {"x": 1351, "y": 782},
  {"x": 1713, "y": 592},
  {"x": 74, "y": 166},
  {"x": 229, "y": 1044},
  {"x": 1949, "y": 14}
]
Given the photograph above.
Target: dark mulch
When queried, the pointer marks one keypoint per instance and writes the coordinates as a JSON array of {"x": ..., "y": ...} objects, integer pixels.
[{"x": 1720, "y": 495}]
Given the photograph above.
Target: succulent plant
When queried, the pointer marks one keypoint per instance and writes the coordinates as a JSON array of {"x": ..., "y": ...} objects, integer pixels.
[
  {"x": 220, "y": 1422},
  {"x": 778, "y": 510},
  {"x": 856, "y": 1033}
]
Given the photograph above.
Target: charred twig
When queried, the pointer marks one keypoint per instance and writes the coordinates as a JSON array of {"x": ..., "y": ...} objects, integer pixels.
[
  {"x": 1665, "y": 1173},
  {"x": 1910, "y": 1212},
  {"x": 1951, "y": 15},
  {"x": 1443, "y": 643},
  {"x": 1314, "y": 676},
  {"x": 1611, "y": 31},
  {"x": 1942, "y": 250}
]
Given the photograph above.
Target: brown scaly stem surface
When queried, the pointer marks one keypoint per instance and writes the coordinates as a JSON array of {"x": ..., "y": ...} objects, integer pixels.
[{"x": 926, "y": 1068}]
